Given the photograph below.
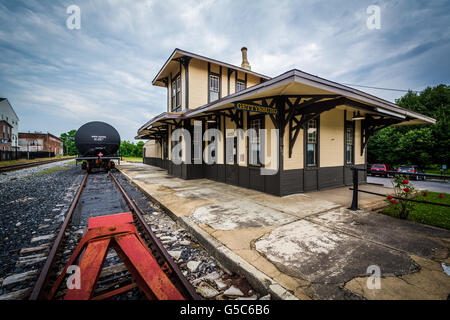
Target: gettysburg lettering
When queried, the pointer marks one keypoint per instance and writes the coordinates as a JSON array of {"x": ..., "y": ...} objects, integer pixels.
[{"x": 254, "y": 108}]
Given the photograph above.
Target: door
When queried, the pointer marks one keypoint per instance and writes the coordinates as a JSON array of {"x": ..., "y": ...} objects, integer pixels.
[{"x": 231, "y": 167}]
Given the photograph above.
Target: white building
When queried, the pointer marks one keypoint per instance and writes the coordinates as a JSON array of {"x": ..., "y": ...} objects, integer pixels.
[{"x": 8, "y": 114}]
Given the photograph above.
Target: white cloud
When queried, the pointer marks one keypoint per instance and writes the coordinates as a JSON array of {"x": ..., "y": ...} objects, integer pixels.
[{"x": 58, "y": 79}]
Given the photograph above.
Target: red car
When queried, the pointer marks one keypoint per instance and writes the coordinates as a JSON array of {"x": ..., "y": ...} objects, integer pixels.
[{"x": 381, "y": 169}]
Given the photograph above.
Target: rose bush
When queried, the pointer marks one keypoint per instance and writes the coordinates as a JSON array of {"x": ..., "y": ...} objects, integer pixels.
[{"x": 402, "y": 190}]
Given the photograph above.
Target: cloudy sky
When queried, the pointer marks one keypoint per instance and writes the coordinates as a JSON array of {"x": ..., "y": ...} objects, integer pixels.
[{"x": 57, "y": 79}]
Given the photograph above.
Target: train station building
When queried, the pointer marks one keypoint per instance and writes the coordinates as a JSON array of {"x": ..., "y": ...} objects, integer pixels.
[
  {"x": 322, "y": 127},
  {"x": 40, "y": 142}
]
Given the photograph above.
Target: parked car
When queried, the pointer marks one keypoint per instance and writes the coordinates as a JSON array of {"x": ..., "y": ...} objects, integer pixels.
[
  {"x": 380, "y": 169},
  {"x": 411, "y": 169}
]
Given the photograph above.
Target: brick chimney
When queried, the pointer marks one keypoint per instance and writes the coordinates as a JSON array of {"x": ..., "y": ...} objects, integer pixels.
[{"x": 245, "y": 63}]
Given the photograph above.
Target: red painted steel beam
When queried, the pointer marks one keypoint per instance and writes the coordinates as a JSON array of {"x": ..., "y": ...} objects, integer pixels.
[
  {"x": 171, "y": 266},
  {"x": 147, "y": 268},
  {"x": 117, "y": 231},
  {"x": 90, "y": 267}
]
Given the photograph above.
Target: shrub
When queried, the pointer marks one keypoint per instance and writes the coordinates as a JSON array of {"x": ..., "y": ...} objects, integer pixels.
[{"x": 402, "y": 190}]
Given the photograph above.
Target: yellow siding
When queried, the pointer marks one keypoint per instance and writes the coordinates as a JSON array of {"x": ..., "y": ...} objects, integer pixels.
[
  {"x": 214, "y": 68},
  {"x": 220, "y": 146},
  {"x": 152, "y": 149},
  {"x": 240, "y": 75},
  {"x": 198, "y": 83},
  {"x": 332, "y": 138},
  {"x": 224, "y": 82},
  {"x": 232, "y": 83},
  {"x": 349, "y": 115},
  {"x": 271, "y": 146},
  {"x": 147, "y": 148},
  {"x": 252, "y": 80},
  {"x": 296, "y": 159}
]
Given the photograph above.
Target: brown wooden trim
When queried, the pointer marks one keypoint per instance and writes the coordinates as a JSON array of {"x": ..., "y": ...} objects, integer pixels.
[
  {"x": 220, "y": 82},
  {"x": 207, "y": 84},
  {"x": 230, "y": 71}
]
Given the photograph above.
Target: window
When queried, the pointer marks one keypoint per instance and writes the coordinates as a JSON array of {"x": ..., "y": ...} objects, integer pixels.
[
  {"x": 179, "y": 91},
  {"x": 240, "y": 85},
  {"x": 311, "y": 143},
  {"x": 213, "y": 87},
  {"x": 349, "y": 144},
  {"x": 255, "y": 156},
  {"x": 212, "y": 143},
  {"x": 197, "y": 141},
  {"x": 173, "y": 95},
  {"x": 165, "y": 149},
  {"x": 176, "y": 94}
]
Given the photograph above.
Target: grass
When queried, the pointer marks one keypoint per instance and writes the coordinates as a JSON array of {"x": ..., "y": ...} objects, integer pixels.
[
  {"x": 51, "y": 170},
  {"x": 433, "y": 215},
  {"x": 137, "y": 159},
  {"x": 437, "y": 171},
  {"x": 22, "y": 161}
]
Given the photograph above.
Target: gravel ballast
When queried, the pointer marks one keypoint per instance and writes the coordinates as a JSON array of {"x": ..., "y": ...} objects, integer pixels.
[{"x": 33, "y": 202}]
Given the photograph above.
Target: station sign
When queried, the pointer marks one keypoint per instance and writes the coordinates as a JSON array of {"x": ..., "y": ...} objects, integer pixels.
[{"x": 254, "y": 108}]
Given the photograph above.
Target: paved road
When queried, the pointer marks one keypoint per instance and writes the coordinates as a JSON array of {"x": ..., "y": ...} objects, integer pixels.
[{"x": 436, "y": 186}]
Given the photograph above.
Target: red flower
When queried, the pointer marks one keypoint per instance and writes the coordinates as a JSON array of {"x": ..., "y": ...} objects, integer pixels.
[
  {"x": 393, "y": 201},
  {"x": 405, "y": 181},
  {"x": 406, "y": 189},
  {"x": 425, "y": 194},
  {"x": 441, "y": 195},
  {"x": 389, "y": 197}
]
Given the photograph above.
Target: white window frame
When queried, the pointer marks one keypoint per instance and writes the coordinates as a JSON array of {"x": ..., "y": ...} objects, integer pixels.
[
  {"x": 240, "y": 85},
  {"x": 213, "y": 86}
]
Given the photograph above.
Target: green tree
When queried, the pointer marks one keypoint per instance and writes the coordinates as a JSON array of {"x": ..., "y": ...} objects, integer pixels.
[
  {"x": 139, "y": 149},
  {"x": 420, "y": 144},
  {"x": 129, "y": 149},
  {"x": 68, "y": 140},
  {"x": 415, "y": 147}
]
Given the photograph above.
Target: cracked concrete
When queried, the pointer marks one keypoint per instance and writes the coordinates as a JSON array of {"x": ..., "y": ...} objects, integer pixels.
[{"x": 308, "y": 244}]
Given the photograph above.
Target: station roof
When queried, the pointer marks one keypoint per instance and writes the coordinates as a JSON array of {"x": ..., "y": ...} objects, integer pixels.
[
  {"x": 296, "y": 82},
  {"x": 178, "y": 53}
]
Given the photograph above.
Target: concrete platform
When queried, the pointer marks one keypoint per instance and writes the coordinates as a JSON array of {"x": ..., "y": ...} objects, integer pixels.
[{"x": 305, "y": 246}]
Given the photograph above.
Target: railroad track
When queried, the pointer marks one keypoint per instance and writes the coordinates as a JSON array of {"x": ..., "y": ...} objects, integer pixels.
[
  {"x": 101, "y": 194},
  {"x": 29, "y": 165}
]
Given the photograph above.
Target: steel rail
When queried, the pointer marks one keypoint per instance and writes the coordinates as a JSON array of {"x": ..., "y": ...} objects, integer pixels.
[
  {"x": 49, "y": 263},
  {"x": 187, "y": 287},
  {"x": 15, "y": 167}
]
